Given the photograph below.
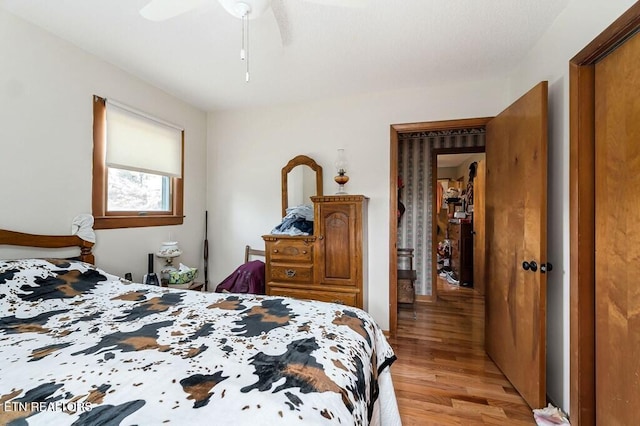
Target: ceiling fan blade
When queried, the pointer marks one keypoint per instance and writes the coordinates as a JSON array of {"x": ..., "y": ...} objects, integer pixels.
[
  {"x": 282, "y": 19},
  {"x": 161, "y": 10}
]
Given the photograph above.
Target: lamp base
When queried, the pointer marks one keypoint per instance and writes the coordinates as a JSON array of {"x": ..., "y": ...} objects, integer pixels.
[{"x": 341, "y": 179}]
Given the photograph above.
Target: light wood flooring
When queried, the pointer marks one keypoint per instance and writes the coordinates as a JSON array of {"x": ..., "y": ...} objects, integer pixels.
[{"x": 442, "y": 375}]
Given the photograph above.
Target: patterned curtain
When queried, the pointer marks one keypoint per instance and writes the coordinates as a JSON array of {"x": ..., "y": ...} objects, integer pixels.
[{"x": 414, "y": 174}]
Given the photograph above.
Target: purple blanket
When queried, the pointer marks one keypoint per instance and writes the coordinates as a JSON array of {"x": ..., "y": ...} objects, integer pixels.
[{"x": 247, "y": 278}]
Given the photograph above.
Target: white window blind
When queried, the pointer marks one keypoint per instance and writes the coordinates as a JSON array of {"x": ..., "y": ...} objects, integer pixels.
[{"x": 140, "y": 143}]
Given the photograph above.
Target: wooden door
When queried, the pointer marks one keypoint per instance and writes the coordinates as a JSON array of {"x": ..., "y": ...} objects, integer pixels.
[
  {"x": 516, "y": 211},
  {"x": 336, "y": 228},
  {"x": 479, "y": 201},
  {"x": 617, "y": 238}
]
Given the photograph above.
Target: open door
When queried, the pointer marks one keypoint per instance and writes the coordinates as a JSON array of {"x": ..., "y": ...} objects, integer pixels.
[{"x": 516, "y": 228}]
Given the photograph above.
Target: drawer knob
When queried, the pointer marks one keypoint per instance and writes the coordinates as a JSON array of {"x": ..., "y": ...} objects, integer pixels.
[
  {"x": 304, "y": 252},
  {"x": 338, "y": 301},
  {"x": 275, "y": 250},
  {"x": 290, "y": 273}
]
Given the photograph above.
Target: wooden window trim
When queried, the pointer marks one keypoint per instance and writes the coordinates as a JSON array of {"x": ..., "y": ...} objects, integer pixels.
[{"x": 105, "y": 220}]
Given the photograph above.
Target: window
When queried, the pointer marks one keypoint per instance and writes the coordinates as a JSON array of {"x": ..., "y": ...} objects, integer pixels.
[{"x": 137, "y": 168}]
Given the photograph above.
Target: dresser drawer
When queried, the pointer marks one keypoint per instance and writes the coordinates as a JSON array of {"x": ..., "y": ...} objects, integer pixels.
[
  {"x": 290, "y": 251},
  {"x": 292, "y": 273},
  {"x": 323, "y": 296}
]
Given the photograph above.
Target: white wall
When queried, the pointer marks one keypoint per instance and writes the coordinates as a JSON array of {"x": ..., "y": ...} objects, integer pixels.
[
  {"x": 579, "y": 23},
  {"x": 46, "y": 89},
  {"x": 463, "y": 169},
  {"x": 247, "y": 150}
]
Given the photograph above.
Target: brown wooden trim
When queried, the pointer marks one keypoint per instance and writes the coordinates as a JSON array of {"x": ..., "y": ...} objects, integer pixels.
[
  {"x": 99, "y": 186},
  {"x": 608, "y": 40},
  {"x": 393, "y": 233},
  {"x": 337, "y": 198},
  {"x": 112, "y": 220},
  {"x": 177, "y": 184},
  {"x": 582, "y": 244},
  {"x": 14, "y": 238},
  {"x": 300, "y": 160},
  {"x": 465, "y": 123},
  {"x": 434, "y": 223},
  {"x": 582, "y": 213},
  {"x": 276, "y": 237},
  {"x": 396, "y": 129}
]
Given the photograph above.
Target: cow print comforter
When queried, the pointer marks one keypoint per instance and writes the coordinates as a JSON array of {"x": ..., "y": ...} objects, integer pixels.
[{"x": 81, "y": 346}]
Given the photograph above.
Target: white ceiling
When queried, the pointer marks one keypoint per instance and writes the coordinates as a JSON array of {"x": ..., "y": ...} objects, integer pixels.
[
  {"x": 332, "y": 51},
  {"x": 453, "y": 160}
]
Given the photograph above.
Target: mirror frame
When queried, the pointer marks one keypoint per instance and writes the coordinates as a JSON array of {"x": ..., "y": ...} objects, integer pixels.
[{"x": 300, "y": 160}]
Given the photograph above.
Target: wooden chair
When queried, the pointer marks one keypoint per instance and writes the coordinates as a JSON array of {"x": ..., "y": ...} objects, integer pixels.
[{"x": 248, "y": 252}]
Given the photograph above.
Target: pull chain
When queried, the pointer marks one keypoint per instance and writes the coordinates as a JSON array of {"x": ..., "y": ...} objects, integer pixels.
[
  {"x": 244, "y": 50},
  {"x": 247, "y": 55},
  {"x": 242, "y": 47}
]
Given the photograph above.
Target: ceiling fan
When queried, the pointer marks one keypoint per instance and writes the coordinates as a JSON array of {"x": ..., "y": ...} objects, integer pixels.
[{"x": 161, "y": 10}]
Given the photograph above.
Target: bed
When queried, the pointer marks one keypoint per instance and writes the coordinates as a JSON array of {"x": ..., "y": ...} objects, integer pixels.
[{"x": 81, "y": 346}]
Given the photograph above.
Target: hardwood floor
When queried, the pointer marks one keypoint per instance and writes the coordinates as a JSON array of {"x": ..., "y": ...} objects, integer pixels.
[{"x": 442, "y": 375}]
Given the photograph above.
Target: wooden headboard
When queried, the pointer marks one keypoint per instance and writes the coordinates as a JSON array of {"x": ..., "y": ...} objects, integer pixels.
[{"x": 48, "y": 241}]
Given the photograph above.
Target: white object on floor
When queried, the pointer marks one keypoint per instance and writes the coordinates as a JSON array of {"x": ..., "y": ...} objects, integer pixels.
[{"x": 550, "y": 416}]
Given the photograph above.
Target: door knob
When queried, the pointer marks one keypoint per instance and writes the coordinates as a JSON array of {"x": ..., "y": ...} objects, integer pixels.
[{"x": 532, "y": 266}]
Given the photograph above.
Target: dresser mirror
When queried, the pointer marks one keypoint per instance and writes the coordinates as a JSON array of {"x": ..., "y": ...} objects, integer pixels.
[{"x": 301, "y": 179}]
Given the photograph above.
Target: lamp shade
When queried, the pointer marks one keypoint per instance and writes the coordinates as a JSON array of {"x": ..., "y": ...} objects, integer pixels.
[{"x": 169, "y": 249}]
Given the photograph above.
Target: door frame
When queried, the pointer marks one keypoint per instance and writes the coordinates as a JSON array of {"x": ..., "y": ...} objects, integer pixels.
[
  {"x": 395, "y": 130},
  {"x": 582, "y": 212}
]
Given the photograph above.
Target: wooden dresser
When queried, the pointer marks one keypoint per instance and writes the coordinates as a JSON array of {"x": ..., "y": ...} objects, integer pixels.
[
  {"x": 330, "y": 265},
  {"x": 461, "y": 237}
]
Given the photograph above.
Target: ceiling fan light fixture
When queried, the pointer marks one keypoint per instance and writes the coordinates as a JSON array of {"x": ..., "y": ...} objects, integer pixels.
[{"x": 241, "y": 9}]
